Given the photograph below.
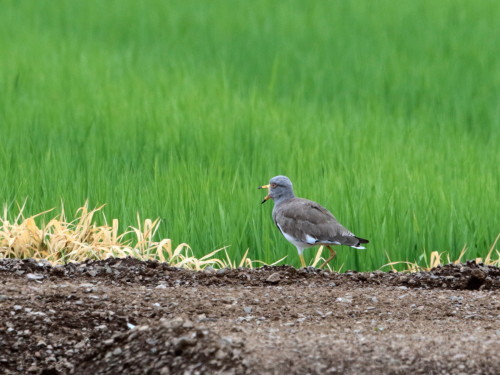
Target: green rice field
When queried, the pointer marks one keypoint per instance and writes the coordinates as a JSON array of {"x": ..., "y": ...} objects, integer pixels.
[{"x": 385, "y": 112}]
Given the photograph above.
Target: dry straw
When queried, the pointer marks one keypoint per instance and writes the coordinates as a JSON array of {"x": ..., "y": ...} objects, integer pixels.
[
  {"x": 438, "y": 258},
  {"x": 61, "y": 241}
]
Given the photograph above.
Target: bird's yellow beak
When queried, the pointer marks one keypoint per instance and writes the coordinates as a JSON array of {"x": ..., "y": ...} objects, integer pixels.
[{"x": 267, "y": 196}]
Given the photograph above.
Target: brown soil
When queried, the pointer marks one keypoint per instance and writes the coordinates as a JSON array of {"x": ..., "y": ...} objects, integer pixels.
[{"x": 124, "y": 316}]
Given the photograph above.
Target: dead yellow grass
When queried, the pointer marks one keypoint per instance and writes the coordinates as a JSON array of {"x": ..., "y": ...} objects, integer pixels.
[
  {"x": 437, "y": 259},
  {"x": 61, "y": 241}
]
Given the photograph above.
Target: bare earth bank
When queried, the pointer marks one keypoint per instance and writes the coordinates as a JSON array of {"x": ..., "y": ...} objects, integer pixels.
[{"x": 124, "y": 316}]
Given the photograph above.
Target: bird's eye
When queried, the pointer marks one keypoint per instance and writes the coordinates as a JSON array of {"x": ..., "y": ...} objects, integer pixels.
[{"x": 273, "y": 185}]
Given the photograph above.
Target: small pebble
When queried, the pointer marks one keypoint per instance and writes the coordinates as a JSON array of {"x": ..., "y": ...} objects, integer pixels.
[
  {"x": 274, "y": 278},
  {"x": 34, "y": 276}
]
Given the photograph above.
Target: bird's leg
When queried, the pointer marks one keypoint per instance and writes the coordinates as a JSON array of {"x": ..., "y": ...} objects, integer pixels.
[
  {"x": 332, "y": 255},
  {"x": 302, "y": 261}
]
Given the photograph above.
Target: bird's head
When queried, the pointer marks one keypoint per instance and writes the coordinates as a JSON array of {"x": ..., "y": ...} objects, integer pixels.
[{"x": 279, "y": 187}]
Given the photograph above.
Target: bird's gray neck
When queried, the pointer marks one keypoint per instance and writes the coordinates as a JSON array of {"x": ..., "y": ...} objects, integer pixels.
[{"x": 283, "y": 198}]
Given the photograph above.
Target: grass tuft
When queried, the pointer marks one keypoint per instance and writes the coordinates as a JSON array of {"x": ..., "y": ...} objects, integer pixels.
[
  {"x": 61, "y": 241},
  {"x": 440, "y": 258}
]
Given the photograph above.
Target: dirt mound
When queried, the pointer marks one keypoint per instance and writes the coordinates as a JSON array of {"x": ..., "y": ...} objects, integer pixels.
[
  {"x": 132, "y": 317},
  {"x": 174, "y": 346},
  {"x": 469, "y": 276}
]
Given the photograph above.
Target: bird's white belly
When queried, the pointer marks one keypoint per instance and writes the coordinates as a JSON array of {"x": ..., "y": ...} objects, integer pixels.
[
  {"x": 309, "y": 242},
  {"x": 297, "y": 243}
]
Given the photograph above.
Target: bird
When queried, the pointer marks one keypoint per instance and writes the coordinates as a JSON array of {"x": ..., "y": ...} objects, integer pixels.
[{"x": 305, "y": 223}]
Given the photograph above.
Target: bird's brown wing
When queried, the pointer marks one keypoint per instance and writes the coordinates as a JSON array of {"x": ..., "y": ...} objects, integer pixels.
[{"x": 308, "y": 221}]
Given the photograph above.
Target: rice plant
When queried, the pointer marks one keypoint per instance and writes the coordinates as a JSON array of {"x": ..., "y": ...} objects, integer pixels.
[{"x": 385, "y": 112}]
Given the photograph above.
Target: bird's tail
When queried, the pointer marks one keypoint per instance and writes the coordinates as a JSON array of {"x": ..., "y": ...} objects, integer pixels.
[{"x": 360, "y": 241}]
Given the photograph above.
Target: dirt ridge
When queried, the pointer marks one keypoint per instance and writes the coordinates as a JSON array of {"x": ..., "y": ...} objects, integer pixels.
[
  {"x": 469, "y": 276},
  {"x": 125, "y": 316}
]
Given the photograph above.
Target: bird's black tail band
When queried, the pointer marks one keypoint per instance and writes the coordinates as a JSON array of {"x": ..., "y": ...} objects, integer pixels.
[{"x": 361, "y": 240}]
